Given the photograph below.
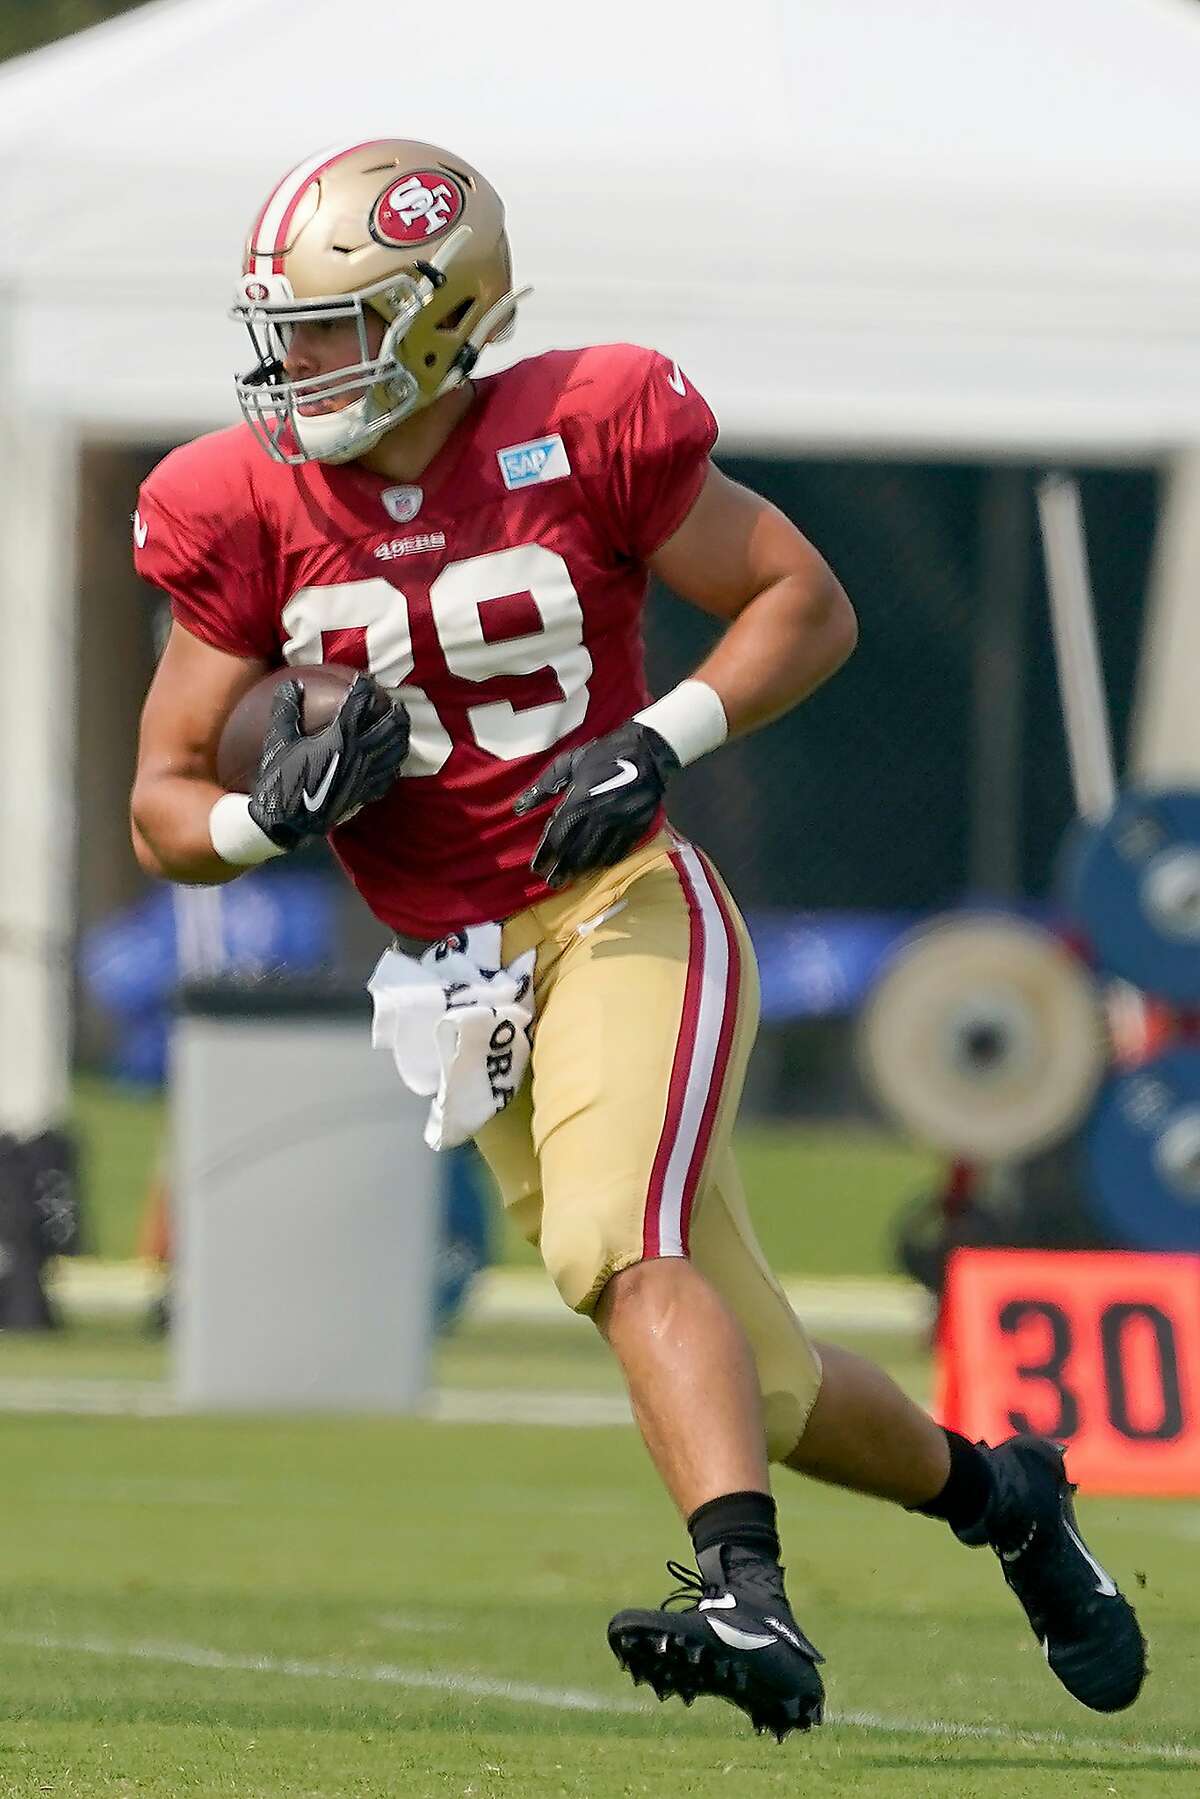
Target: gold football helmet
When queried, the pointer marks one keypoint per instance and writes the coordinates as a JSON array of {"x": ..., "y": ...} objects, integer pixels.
[{"x": 403, "y": 229}]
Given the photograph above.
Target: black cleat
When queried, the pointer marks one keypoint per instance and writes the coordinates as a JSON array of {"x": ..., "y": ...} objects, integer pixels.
[
  {"x": 735, "y": 1639},
  {"x": 1088, "y": 1631}
]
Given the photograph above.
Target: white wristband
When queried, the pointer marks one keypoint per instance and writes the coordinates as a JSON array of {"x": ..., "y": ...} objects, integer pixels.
[
  {"x": 691, "y": 718},
  {"x": 235, "y": 836}
]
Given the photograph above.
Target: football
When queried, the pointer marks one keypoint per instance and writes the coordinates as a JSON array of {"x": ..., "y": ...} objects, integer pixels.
[{"x": 324, "y": 686}]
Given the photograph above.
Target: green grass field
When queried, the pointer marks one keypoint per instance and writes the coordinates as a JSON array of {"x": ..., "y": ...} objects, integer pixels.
[
  {"x": 407, "y": 1609},
  {"x": 395, "y": 1608}
]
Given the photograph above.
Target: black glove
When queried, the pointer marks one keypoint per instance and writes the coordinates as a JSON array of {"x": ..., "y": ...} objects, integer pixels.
[
  {"x": 306, "y": 785},
  {"x": 611, "y": 790}
]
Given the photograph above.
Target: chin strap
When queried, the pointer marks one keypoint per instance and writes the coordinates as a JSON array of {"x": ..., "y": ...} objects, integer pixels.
[
  {"x": 308, "y": 432},
  {"x": 483, "y": 334}
]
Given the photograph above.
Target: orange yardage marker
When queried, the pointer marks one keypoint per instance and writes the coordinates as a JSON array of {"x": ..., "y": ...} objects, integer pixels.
[{"x": 1100, "y": 1350}]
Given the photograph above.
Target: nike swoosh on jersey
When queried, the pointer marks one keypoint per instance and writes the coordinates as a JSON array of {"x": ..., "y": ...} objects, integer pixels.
[
  {"x": 141, "y": 531},
  {"x": 675, "y": 380},
  {"x": 626, "y": 772},
  {"x": 739, "y": 1639},
  {"x": 314, "y": 801}
]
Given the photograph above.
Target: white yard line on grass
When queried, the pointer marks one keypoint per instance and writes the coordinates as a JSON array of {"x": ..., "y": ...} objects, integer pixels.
[
  {"x": 446, "y": 1405},
  {"x": 102, "y": 1398},
  {"x": 87, "y": 1287},
  {"x": 996, "y": 1733},
  {"x": 478, "y": 1686},
  {"x": 405, "y": 1622},
  {"x": 485, "y": 1405}
]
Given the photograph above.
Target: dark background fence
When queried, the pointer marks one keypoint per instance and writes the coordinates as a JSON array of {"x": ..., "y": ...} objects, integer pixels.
[{"x": 934, "y": 765}]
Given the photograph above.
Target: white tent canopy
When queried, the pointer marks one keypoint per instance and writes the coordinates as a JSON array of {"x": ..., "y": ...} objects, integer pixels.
[
  {"x": 854, "y": 222},
  {"x": 859, "y": 224}
]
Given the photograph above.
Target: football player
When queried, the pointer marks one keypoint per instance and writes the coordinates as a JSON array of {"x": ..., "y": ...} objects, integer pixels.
[{"x": 481, "y": 547}]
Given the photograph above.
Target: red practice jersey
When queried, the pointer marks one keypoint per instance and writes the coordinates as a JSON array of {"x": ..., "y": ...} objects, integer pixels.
[{"x": 500, "y": 597}]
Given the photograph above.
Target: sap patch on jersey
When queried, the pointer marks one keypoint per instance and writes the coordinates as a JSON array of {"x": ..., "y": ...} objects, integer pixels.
[{"x": 541, "y": 459}]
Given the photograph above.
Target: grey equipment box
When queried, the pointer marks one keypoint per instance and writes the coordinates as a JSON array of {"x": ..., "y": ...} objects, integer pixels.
[{"x": 304, "y": 1205}]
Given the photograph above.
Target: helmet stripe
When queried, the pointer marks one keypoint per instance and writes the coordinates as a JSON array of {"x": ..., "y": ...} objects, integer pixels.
[{"x": 269, "y": 238}]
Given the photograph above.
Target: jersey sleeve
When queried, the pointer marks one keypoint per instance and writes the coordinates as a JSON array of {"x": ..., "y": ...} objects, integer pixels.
[
  {"x": 208, "y": 570},
  {"x": 657, "y": 458}
]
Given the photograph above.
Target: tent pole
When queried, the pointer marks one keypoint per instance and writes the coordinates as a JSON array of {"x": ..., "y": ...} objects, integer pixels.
[
  {"x": 39, "y": 806},
  {"x": 1166, "y": 721},
  {"x": 998, "y": 687}
]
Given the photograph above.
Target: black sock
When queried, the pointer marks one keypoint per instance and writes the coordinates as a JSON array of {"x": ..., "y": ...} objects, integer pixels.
[
  {"x": 964, "y": 1498},
  {"x": 744, "y": 1519}
]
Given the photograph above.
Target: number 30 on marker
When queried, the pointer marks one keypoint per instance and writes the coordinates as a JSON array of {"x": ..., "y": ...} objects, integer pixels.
[{"x": 1098, "y": 1350}]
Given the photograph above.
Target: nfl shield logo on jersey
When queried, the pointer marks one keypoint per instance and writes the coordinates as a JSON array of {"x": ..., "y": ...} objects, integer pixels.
[
  {"x": 541, "y": 459},
  {"x": 402, "y": 503}
]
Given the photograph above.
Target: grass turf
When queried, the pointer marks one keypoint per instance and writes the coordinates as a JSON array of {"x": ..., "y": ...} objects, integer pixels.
[
  {"x": 324, "y": 1608},
  {"x": 319, "y": 1608}
]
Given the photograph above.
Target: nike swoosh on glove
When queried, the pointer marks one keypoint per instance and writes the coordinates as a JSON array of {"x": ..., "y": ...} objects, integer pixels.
[
  {"x": 610, "y": 791},
  {"x": 307, "y": 784}
]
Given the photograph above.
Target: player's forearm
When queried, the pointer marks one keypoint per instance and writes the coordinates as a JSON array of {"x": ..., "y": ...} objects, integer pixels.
[
  {"x": 780, "y": 648},
  {"x": 171, "y": 834}
]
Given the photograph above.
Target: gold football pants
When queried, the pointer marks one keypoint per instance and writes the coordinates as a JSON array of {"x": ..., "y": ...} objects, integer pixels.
[{"x": 617, "y": 1149}]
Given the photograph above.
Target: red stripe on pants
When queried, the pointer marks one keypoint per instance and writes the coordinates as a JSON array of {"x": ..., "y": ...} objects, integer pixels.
[{"x": 685, "y": 1047}]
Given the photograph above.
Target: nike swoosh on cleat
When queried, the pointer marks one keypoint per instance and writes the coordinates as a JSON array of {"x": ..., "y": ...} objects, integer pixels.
[
  {"x": 726, "y": 1602},
  {"x": 314, "y": 801},
  {"x": 739, "y": 1639},
  {"x": 1106, "y": 1586},
  {"x": 627, "y": 772}
]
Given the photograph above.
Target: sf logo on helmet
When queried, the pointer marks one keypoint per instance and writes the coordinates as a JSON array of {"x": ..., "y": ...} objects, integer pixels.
[{"x": 415, "y": 209}]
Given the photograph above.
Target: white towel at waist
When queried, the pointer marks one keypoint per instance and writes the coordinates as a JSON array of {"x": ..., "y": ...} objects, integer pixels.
[{"x": 458, "y": 1026}]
